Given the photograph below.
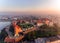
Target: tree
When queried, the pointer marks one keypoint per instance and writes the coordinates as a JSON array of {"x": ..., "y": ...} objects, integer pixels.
[
  {"x": 3, "y": 34},
  {"x": 46, "y": 31}
]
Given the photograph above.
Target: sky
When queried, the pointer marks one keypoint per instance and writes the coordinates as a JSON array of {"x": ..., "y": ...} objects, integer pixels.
[{"x": 40, "y": 6}]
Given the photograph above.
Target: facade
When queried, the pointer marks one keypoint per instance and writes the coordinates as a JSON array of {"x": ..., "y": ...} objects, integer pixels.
[{"x": 51, "y": 24}]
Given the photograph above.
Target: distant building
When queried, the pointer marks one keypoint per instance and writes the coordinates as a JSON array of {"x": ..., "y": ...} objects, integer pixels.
[
  {"x": 26, "y": 21},
  {"x": 39, "y": 23},
  {"x": 4, "y": 18},
  {"x": 51, "y": 23},
  {"x": 47, "y": 21},
  {"x": 14, "y": 18}
]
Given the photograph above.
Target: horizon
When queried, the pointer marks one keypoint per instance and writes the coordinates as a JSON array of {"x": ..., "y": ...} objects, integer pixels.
[{"x": 31, "y": 6}]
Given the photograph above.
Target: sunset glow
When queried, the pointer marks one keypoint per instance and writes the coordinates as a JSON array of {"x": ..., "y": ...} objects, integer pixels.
[{"x": 47, "y": 6}]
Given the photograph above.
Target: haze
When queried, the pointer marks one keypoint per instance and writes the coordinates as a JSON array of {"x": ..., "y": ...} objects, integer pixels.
[{"x": 31, "y": 6}]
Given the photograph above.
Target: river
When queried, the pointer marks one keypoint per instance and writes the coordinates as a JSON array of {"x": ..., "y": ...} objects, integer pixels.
[{"x": 4, "y": 24}]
